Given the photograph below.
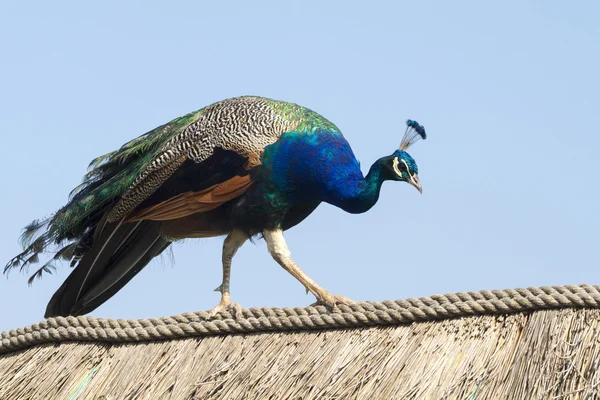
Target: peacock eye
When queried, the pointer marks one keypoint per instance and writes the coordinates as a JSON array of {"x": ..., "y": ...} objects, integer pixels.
[{"x": 404, "y": 166}]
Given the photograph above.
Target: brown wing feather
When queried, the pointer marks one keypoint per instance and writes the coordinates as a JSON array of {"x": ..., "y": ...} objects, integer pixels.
[{"x": 189, "y": 203}]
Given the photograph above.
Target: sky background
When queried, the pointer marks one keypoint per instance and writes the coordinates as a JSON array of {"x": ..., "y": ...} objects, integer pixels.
[{"x": 508, "y": 93}]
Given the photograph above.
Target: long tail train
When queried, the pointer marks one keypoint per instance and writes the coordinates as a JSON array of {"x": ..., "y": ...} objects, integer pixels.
[{"x": 119, "y": 252}]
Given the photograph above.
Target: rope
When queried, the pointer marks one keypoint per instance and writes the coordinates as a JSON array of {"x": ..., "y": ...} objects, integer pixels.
[{"x": 254, "y": 320}]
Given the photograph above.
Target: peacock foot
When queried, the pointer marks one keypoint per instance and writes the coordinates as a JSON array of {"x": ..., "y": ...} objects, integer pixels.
[
  {"x": 330, "y": 301},
  {"x": 226, "y": 305}
]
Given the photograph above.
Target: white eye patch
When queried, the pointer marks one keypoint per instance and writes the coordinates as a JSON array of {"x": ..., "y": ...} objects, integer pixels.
[
  {"x": 406, "y": 165},
  {"x": 395, "y": 165}
]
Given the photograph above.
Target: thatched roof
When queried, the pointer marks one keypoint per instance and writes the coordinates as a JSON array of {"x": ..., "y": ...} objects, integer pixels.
[{"x": 533, "y": 354}]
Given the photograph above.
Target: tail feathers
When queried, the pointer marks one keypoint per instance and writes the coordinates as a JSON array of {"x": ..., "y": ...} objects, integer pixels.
[
  {"x": 116, "y": 279},
  {"x": 117, "y": 255},
  {"x": 66, "y": 253}
]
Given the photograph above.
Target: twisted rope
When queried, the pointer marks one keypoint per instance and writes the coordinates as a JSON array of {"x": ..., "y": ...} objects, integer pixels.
[{"x": 254, "y": 320}]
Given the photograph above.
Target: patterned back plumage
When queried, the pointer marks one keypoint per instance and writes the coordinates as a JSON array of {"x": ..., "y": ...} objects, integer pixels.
[
  {"x": 119, "y": 181},
  {"x": 244, "y": 124}
]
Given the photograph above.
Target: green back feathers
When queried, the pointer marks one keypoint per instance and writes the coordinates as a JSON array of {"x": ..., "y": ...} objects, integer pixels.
[
  {"x": 306, "y": 119},
  {"x": 112, "y": 176},
  {"x": 109, "y": 176}
]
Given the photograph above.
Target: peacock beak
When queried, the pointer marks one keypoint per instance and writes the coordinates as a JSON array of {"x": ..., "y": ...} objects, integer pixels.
[{"x": 414, "y": 180}]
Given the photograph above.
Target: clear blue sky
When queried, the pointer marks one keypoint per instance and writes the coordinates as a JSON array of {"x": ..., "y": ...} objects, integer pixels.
[{"x": 508, "y": 92}]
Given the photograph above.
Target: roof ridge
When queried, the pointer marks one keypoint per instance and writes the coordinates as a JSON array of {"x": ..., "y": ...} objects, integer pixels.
[{"x": 253, "y": 320}]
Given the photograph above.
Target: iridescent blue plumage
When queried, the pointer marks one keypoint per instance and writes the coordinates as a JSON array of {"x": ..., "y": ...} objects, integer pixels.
[
  {"x": 414, "y": 132},
  {"x": 417, "y": 127},
  {"x": 412, "y": 165},
  {"x": 321, "y": 166},
  {"x": 240, "y": 167}
]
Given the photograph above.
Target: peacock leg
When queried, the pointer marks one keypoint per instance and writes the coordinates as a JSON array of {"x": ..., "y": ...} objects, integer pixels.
[
  {"x": 280, "y": 253},
  {"x": 232, "y": 243}
]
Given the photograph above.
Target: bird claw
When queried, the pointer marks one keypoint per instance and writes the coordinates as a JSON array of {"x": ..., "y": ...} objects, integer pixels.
[
  {"x": 226, "y": 305},
  {"x": 331, "y": 300}
]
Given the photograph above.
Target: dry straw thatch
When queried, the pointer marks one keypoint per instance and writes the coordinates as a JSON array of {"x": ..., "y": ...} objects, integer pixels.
[{"x": 542, "y": 354}]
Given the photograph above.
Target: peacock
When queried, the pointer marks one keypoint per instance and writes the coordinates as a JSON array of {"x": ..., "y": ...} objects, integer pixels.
[{"x": 240, "y": 168}]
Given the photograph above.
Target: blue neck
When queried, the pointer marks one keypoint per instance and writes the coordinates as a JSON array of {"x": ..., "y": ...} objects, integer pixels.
[
  {"x": 361, "y": 194},
  {"x": 322, "y": 167}
]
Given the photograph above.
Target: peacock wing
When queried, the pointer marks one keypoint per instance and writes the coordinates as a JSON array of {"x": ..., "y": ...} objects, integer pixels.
[
  {"x": 121, "y": 249},
  {"x": 196, "y": 188},
  {"x": 242, "y": 125}
]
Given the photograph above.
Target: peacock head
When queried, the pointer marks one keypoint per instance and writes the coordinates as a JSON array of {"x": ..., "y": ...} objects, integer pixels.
[{"x": 401, "y": 166}]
